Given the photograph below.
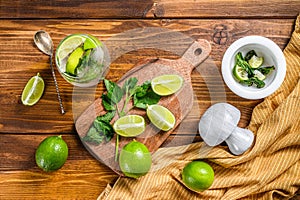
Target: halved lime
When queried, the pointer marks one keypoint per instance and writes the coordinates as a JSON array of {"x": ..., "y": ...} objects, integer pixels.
[
  {"x": 255, "y": 61},
  {"x": 161, "y": 117},
  {"x": 67, "y": 46},
  {"x": 33, "y": 90},
  {"x": 166, "y": 84},
  {"x": 129, "y": 125},
  {"x": 74, "y": 60},
  {"x": 240, "y": 73}
]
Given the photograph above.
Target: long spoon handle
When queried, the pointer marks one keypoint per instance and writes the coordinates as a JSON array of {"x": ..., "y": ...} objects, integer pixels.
[{"x": 56, "y": 87}]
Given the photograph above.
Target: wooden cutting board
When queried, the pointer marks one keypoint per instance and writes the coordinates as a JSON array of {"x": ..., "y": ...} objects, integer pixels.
[{"x": 179, "y": 103}]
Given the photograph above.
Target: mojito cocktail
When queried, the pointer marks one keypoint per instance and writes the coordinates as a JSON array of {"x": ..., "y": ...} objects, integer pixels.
[{"x": 81, "y": 60}]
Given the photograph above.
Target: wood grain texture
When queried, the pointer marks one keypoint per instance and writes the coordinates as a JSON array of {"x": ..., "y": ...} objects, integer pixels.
[
  {"x": 23, "y": 128},
  {"x": 20, "y": 59},
  {"x": 149, "y": 9}
]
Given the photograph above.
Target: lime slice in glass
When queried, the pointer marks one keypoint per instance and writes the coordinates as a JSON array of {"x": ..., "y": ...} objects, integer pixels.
[
  {"x": 33, "y": 90},
  {"x": 256, "y": 62},
  {"x": 74, "y": 60},
  {"x": 129, "y": 125},
  {"x": 161, "y": 117},
  {"x": 239, "y": 73},
  {"x": 166, "y": 84},
  {"x": 68, "y": 45},
  {"x": 89, "y": 44}
]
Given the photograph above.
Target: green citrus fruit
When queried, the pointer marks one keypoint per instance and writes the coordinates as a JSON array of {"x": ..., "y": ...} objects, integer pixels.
[
  {"x": 161, "y": 117},
  {"x": 239, "y": 73},
  {"x": 68, "y": 45},
  {"x": 74, "y": 60},
  {"x": 33, "y": 90},
  {"x": 198, "y": 175},
  {"x": 166, "y": 84},
  {"x": 256, "y": 62},
  {"x": 129, "y": 125},
  {"x": 51, "y": 153},
  {"x": 135, "y": 159}
]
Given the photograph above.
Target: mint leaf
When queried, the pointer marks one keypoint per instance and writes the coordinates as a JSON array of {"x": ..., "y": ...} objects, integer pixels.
[
  {"x": 107, "y": 103},
  {"x": 104, "y": 127},
  {"x": 114, "y": 92},
  {"x": 142, "y": 90},
  {"x": 93, "y": 136},
  {"x": 149, "y": 99},
  {"x": 107, "y": 117},
  {"x": 129, "y": 85}
]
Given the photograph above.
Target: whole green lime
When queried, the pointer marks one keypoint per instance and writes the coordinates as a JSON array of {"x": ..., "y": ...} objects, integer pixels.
[
  {"x": 51, "y": 153},
  {"x": 135, "y": 159},
  {"x": 198, "y": 175}
]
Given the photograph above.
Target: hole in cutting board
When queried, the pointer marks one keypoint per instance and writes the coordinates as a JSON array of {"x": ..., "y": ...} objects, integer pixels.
[{"x": 198, "y": 51}]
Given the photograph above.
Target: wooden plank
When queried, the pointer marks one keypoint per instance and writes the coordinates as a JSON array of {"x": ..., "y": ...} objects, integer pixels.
[
  {"x": 22, "y": 156},
  {"x": 20, "y": 178},
  {"x": 149, "y": 9},
  {"x": 20, "y": 59}
]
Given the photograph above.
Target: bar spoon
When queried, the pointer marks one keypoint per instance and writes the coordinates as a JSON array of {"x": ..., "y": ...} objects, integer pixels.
[{"x": 44, "y": 42}]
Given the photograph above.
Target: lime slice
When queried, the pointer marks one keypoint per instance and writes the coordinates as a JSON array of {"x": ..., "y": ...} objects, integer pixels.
[
  {"x": 161, "y": 117},
  {"x": 68, "y": 45},
  {"x": 240, "y": 73},
  {"x": 33, "y": 90},
  {"x": 259, "y": 75},
  {"x": 129, "y": 125},
  {"x": 74, "y": 60},
  {"x": 166, "y": 84},
  {"x": 89, "y": 44},
  {"x": 256, "y": 62}
]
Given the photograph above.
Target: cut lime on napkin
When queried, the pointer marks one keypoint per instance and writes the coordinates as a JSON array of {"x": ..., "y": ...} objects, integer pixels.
[{"x": 33, "y": 90}]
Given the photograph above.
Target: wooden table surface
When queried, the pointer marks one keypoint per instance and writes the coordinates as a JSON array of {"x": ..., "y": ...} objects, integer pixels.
[{"x": 22, "y": 128}]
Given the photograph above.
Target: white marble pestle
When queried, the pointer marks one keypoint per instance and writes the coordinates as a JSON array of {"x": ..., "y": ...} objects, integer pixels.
[{"x": 219, "y": 124}]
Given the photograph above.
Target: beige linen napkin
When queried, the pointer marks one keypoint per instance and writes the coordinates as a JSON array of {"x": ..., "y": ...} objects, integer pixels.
[{"x": 269, "y": 170}]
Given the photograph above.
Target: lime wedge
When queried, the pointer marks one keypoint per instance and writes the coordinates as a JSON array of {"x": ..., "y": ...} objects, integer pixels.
[
  {"x": 161, "y": 117},
  {"x": 239, "y": 73},
  {"x": 89, "y": 44},
  {"x": 74, "y": 60},
  {"x": 67, "y": 46},
  {"x": 33, "y": 90},
  {"x": 166, "y": 84},
  {"x": 256, "y": 62},
  {"x": 259, "y": 75},
  {"x": 129, "y": 125}
]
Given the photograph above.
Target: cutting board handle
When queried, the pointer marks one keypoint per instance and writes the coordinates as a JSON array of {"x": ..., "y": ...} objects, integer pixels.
[{"x": 197, "y": 52}]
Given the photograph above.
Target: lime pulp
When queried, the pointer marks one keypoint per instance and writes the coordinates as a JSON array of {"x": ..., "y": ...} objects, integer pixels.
[
  {"x": 161, "y": 117},
  {"x": 33, "y": 90},
  {"x": 166, "y": 84},
  {"x": 239, "y": 73},
  {"x": 129, "y": 125}
]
